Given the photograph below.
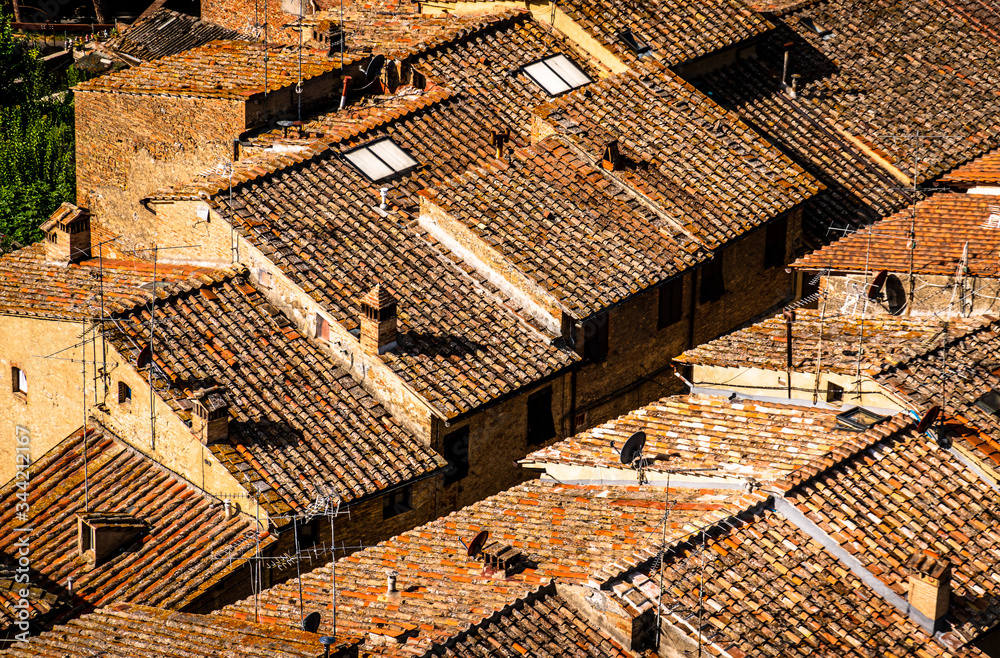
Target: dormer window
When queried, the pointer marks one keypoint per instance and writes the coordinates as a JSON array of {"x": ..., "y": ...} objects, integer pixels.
[
  {"x": 102, "y": 536},
  {"x": 557, "y": 75},
  {"x": 380, "y": 159}
]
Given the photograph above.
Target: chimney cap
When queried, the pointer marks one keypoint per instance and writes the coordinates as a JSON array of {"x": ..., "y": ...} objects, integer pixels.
[
  {"x": 379, "y": 297},
  {"x": 929, "y": 564},
  {"x": 64, "y": 214}
]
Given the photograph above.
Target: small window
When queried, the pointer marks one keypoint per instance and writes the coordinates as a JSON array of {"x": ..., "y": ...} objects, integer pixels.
[
  {"x": 634, "y": 44},
  {"x": 541, "y": 427},
  {"x": 124, "y": 393},
  {"x": 671, "y": 303},
  {"x": 859, "y": 419},
  {"x": 834, "y": 393},
  {"x": 775, "y": 240},
  {"x": 713, "y": 282},
  {"x": 990, "y": 402},
  {"x": 397, "y": 502},
  {"x": 20, "y": 381},
  {"x": 595, "y": 338},
  {"x": 322, "y": 327},
  {"x": 381, "y": 159},
  {"x": 308, "y": 534},
  {"x": 456, "y": 453},
  {"x": 264, "y": 277},
  {"x": 557, "y": 75}
]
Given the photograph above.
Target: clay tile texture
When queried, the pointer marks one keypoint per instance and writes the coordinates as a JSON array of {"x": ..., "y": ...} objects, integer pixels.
[
  {"x": 904, "y": 495},
  {"x": 32, "y": 285},
  {"x": 185, "y": 531},
  {"x": 166, "y": 32},
  {"x": 762, "y": 442},
  {"x": 983, "y": 171},
  {"x": 951, "y": 232},
  {"x": 124, "y": 630},
  {"x": 704, "y": 166},
  {"x": 291, "y": 410},
  {"x": 568, "y": 226},
  {"x": 230, "y": 69},
  {"x": 441, "y": 589},
  {"x": 888, "y": 340}
]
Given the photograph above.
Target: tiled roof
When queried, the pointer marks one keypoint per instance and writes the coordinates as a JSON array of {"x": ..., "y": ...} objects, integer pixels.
[
  {"x": 29, "y": 285},
  {"x": 887, "y": 340},
  {"x": 297, "y": 421},
  {"x": 459, "y": 345},
  {"x": 703, "y": 165},
  {"x": 124, "y": 630},
  {"x": 568, "y": 226},
  {"x": 984, "y": 170},
  {"x": 907, "y": 495},
  {"x": 982, "y": 14},
  {"x": 965, "y": 368},
  {"x": 486, "y": 66},
  {"x": 43, "y": 604},
  {"x": 778, "y": 7},
  {"x": 678, "y": 31},
  {"x": 219, "y": 69},
  {"x": 166, "y": 32},
  {"x": 764, "y": 588},
  {"x": 762, "y": 441},
  {"x": 183, "y": 554},
  {"x": 442, "y": 590},
  {"x": 544, "y": 626},
  {"x": 949, "y": 229}
]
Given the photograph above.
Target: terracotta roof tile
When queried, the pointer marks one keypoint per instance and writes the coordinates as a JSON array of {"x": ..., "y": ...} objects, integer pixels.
[
  {"x": 295, "y": 417},
  {"x": 982, "y": 14},
  {"x": 187, "y": 531},
  {"x": 945, "y": 225},
  {"x": 219, "y": 69},
  {"x": 984, "y": 170},
  {"x": 166, "y": 32}
]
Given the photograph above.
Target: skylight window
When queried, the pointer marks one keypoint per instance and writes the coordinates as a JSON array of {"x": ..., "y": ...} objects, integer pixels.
[
  {"x": 990, "y": 402},
  {"x": 381, "y": 159},
  {"x": 640, "y": 48},
  {"x": 557, "y": 75},
  {"x": 859, "y": 419}
]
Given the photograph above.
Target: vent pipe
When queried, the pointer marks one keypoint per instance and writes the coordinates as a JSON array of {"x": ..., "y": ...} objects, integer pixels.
[{"x": 390, "y": 581}]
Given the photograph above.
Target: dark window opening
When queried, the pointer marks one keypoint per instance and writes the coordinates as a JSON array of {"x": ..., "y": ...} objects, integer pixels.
[
  {"x": 713, "y": 282},
  {"x": 834, "y": 393},
  {"x": 124, "y": 393},
  {"x": 990, "y": 402},
  {"x": 671, "y": 303},
  {"x": 456, "y": 453},
  {"x": 19, "y": 381},
  {"x": 637, "y": 46},
  {"x": 595, "y": 338},
  {"x": 775, "y": 240},
  {"x": 541, "y": 427},
  {"x": 397, "y": 502},
  {"x": 308, "y": 534}
]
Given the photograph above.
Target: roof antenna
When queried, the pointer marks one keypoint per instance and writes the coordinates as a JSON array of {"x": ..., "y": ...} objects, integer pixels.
[
  {"x": 298, "y": 85},
  {"x": 631, "y": 454}
]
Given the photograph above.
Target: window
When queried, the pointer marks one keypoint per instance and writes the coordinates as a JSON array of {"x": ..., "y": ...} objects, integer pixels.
[
  {"x": 834, "y": 393},
  {"x": 557, "y": 75},
  {"x": 595, "y": 338},
  {"x": 308, "y": 534},
  {"x": 20, "y": 381},
  {"x": 671, "y": 302},
  {"x": 322, "y": 327},
  {"x": 775, "y": 236},
  {"x": 380, "y": 159},
  {"x": 397, "y": 502},
  {"x": 456, "y": 453},
  {"x": 713, "y": 283},
  {"x": 541, "y": 427},
  {"x": 634, "y": 44},
  {"x": 989, "y": 402},
  {"x": 124, "y": 393},
  {"x": 858, "y": 419}
]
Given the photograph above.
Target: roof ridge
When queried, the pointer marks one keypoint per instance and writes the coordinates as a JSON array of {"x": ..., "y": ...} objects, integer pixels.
[
  {"x": 984, "y": 323},
  {"x": 200, "y": 278},
  {"x": 503, "y": 18}
]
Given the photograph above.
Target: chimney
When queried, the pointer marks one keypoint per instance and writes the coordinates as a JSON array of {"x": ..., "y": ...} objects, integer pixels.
[
  {"x": 378, "y": 321},
  {"x": 930, "y": 584},
  {"x": 67, "y": 234},
  {"x": 610, "y": 158},
  {"x": 210, "y": 416},
  {"x": 499, "y": 140},
  {"x": 390, "y": 581}
]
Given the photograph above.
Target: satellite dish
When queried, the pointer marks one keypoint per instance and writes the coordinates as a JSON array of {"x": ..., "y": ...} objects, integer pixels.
[
  {"x": 145, "y": 356},
  {"x": 633, "y": 447},
  {"x": 311, "y": 623},
  {"x": 875, "y": 288},
  {"x": 477, "y": 543},
  {"x": 928, "y": 419},
  {"x": 374, "y": 67}
]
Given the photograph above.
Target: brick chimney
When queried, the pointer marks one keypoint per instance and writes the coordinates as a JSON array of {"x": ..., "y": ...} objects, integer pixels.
[
  {"x": 930, "y": 584},
  {"x": 67, "y": 234},
  {"x": 378, "y": 321},
  {"x": 210, "y": 416}
]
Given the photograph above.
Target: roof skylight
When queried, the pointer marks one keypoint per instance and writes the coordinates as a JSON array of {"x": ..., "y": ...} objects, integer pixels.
[
  {"x": 557, "y": 74},
  {"x": 380, "y": 159}
]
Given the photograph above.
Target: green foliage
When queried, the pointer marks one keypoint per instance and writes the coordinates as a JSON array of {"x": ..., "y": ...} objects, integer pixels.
[{"x": 36, "y": 140}]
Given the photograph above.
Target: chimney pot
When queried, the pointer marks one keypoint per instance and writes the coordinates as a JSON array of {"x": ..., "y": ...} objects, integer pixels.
[
  {"x": 378, "y": 321},
  {"x": 390, "y": 584},
  {"x": 210, "y": 416},
  {"x": 67, "y": 234},
  {"x": 930, "y": 584}
]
